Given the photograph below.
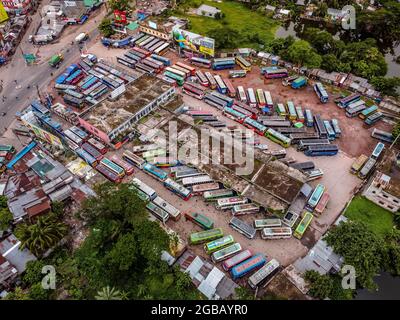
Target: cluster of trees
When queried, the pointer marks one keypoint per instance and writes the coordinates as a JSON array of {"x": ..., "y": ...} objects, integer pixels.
[
  {"x": 361, "y": 248},
  {"x": 119, "y": 259},
  {"x": 5, "y": 214},
  {"x": 105, "y": 27}
]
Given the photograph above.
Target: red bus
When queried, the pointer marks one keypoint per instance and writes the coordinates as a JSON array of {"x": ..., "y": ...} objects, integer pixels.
[
  {"x": 202, "y": 78},
  {"x": 247, "y": 113},
  {"x": 92, "y": 151},
  {"x": 246, "y": 107},
  {"x": 231, "y": 92},
  {"x": 128, "y": 168},
  {"x": 108, "y": 173},
  {"x": 98, "y": 145},
  {"x": 192, "y": 90},
  {"x": 185, "y": 66},
  {"x": 145, "y": 52}
]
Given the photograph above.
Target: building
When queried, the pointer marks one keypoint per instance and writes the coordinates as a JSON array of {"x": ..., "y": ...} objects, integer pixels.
[
  {"x": 109, "y": 119},
  {"x": 384, "y": 191},
  {"x": 18, "y": 6},
  {"x": 335, "y": 14},
  {"x": 207, "y": 11},
  {"x": 270, "y": 8}
]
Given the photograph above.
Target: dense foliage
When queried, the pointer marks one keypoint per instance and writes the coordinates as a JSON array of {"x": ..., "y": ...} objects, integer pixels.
[
  {"x": 105, "y": 27},
  {"x": 327, "y": 286}
]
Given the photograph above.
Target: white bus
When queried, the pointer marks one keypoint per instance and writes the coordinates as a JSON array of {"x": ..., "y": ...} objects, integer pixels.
[
  {"x": 263, "y": 273},
  {"x": 144, "y": 188},
  {"x": 267, "y": 223},
  {"x": 133, "y": 159},
  {"x": 242, "y": 227},
  {"x": 229, "y": 203},
  {"x": 245, "y": 209},
  {"x": 145, "y": 148},
  {"x": 172, "y": 211},
  {"x": 226, "y": 252},
  {"x": 200, "y": 188},
  {"x": 188, "y": 182},
  {"x": 241, "y": 94},
  {"x": 276, "y": 233},
  {"x": 252, "y": 97},
  {"x": 268, "y": 99}
]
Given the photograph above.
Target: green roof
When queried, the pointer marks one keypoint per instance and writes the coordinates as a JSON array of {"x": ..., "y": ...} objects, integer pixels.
[
  {"x": 90, "y": 3},
  {"x": 132, "y": 26}
]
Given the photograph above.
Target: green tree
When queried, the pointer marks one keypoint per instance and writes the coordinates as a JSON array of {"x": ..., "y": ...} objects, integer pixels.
[
  {"x": 42, "y": 235},
  {"x": 124, "y": 253},
  {"x": 105, "y": 27},
  {"x": 302, "y": 54},
  {"x": 33, "y": 273},
  {"x": 321, "y": 286},
  {"x": 36, "y": 292},
  {"x": 57, "y": 207},
  {"x": 387, "y": 86},
  {"x": 396, "y": 131},
  {"x": 121, "y": 5},
  {"x": 360, "y": 247},
  {"x": 18, "y": 294},
  {"x": 108, "y": 293},
  {"x": 3, "y": 202},
  {"x": 244, "y": 293},
  {"x": 5, "y": 218},
  {"x": 225, "y": 38},
  {"x": 330, "y": 63}
]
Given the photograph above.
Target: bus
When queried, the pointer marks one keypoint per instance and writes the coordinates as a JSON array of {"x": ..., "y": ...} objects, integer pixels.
[
  {"x": 128, "y": 168},
  {"x": 198, "y": 189},
  {"x": 255, "y": 126},
  {"x": 7, "y": 148},
  {"x": 273, "y": 233},
  {"x": 280, "y": 108},
  {"x": 265, "y": 272},
  {"x": 278, "y": 137},
  {"x": 314, "y": 174},
  {"x": 358, "y": 164},
  {"x": 192, "y": 90},
  {"x": 191, "y": 181},
  {"x": 138, "y": 184},
  {"x": 377, "y": 150},
  {"x": 223, "y": 63},
  {"x": 176, "y": 72},
  {"x": 247, "y": 266},
  {"x": 202, "y": 78},
  {"x": 241, "y": 94},
  {"x": 162, "y": 49},
  {"x": 242, "y": 227},
  {"x": 268, "y": 99},
  {"x": 234, "y": 115},
  {"x": 211, "y": 80},
  {"x": 336, "y": 128},
  {"x": 315, "y": 196},
  {"x": 205, "y": 236},
  {"x": 164, "y": 60},
  {"x": 367, "y": 168},
  {"x": 72, "y": 101},
  {"x": 267, "y": 223},
  {"x": 151, "y": 154},
  {"x": 133, "y": 159},
  {"x": 372, "y": 119},
  {"x": 99, "y": 146},
  {"x": 300, "y": 114},
  {"x": 113, "y": 167},
  {"x": 218, "y": 244},
  {"x": 72, "y": 136},
  {"x": 247, "y": 112},
  {"x": 321, "y": 150},
  {"x": 382, "y": 135},
  {"x": 179, "y": 80},
  {"x": 205, "y": 63},
  {"x": 74, "y": 94},
  {"x": 303, "y": 225},
  {"x": 292, "y": 110},
  {"x": 173, "y": 212},
  {"x": 245, "y": 209},
  {"x": 159, "y": 213},
  {"x": 229, "y": 101},
  {"x": 226, "y": 252},
  {"x": 229, "y": 203},
  {"x": 252, "y": 98},
  {"x": 201, "y": 220},
  {"x": 221, "y": 87},
  {"x": 93, "y": 151},
  {"x": 80, "y": 133},
  {"x": 260, "y": 98},
  {"x": 237, "y": 73},
  {"x": 243, "y": 63},
  {"x": 344, "y": 102},
  {"x": 154, "y": 171},
  {"x": 215, "y": 101},
  {"x": 165, "y": 162},
  {"x": 185, "y": 66},
  {"x": 321, "y": 92},
  {"x": 236, "y": 259},
  {"x": 367, "y": 112},
  {"x": 216, "y": 194},
  {"x": 230, "y": 89},
  {"x": 178, "y": 189},
  {"x": 190, "y": 172},
  {"x": 106, "y": 172},
  {"x": 297, "y": 137},
  {"x": 309, "y": 118},
  {"x": 304, "y": 144},
  {"x": 86, "y": 156},
  {"x": 185, "y": 71},
  {"x": 352, "y": 112},
  {"x": 322, "y": 203},
  {"x": 319, "y": 124},
  {"x": 276, "y": 73},
  {"x": 329, "y": 130}
]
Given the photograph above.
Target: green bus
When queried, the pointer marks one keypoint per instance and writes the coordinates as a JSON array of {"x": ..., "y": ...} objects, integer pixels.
[
  {"x": 303, "y": 225},
  {"x": 201, "y": 220},
  {"x": 278, "y": 137},
  {"x": 204, "y": 236},
  {"x": 280, "y": 108},
  {"x": 213, "y": 195},
  {"x": 226, "y": 252},
  {"x": 179, "y": 80},
  {"x": 7, "y": 148},
  {"x": 292, "y": 110},
  {"x": 218, "y": 244}
]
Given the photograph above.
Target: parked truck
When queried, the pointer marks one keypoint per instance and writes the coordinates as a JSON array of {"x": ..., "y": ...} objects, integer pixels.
[
  {"x": 81, "y": 37},
  {"x": 299, "y": 82},
  {"x": 56, "y": 60}
]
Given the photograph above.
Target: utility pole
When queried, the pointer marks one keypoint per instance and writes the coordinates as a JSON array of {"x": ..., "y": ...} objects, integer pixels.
[{"x": 394, "y": 142}]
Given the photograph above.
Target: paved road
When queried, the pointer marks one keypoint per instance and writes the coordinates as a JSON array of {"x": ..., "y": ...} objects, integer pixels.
[{"x": 36, "y": 76}]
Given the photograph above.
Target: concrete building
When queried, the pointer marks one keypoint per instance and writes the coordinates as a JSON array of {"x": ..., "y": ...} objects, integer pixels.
[
  {"x": 384, "y": 191},
  {"x": 207, "y": 11},
  {"x": 110, "y": 119},
  {"x": 18, "y": 6}
]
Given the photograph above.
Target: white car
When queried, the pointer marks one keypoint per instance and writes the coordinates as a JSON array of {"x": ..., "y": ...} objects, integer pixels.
[{"x": 261, "y": 146}]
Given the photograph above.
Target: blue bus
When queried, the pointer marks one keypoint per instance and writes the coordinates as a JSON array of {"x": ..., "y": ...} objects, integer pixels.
[
  {"x": 87, "y": 157},
  {"x": 377, "y": 150},
  {"x": 329, "y": 130},
  {"x": 229, "y": 101},
  {"x": 321, "y": 92},
  {"x": 223, "y": 63},
  {"x": 309, "y": 118},
  {"x": 71, "y": 69},
  {"x": 322, "y": 150},
  {"x": 89, "y": 83},
  {"x": 162, "y": 59},
  {"x": 155, "y": 172},
  {"x": 247, "y": 266}
]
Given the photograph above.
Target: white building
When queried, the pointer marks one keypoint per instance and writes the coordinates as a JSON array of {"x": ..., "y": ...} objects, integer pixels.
[{"x": 207, "y": 11}]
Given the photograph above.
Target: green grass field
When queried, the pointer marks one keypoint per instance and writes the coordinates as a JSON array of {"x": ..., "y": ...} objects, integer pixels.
[
  {"x": 237, "y": 17},
  {"x": 376, "y": 218}
]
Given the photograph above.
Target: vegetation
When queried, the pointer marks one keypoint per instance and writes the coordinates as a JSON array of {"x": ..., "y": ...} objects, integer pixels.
[
  {"x": 105, "y": 27},
  {"x": 120, "y": 5},
  {"x": 237, "y": 26},
  {"x": 386, "y": 85},
  {"x": 396, "y": 131},
  {"x": 327, "y": 286},
  {"x": 376, "y": 218}
]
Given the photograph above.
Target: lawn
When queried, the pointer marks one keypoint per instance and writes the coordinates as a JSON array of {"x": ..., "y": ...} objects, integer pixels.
[
  {"x": 376, "y": 218},
  {"x": 237, "y": 17}
]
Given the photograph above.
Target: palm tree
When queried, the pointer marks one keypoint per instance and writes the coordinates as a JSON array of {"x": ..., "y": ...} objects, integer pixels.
[
  {"x": 42, "y": 235},
  {"x": 108, "y": 293}
]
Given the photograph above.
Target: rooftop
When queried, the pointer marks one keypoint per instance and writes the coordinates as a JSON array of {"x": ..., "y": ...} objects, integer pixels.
[
  {"x": 109, "y": 115},
  {"x": 9, "y": 249}
]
